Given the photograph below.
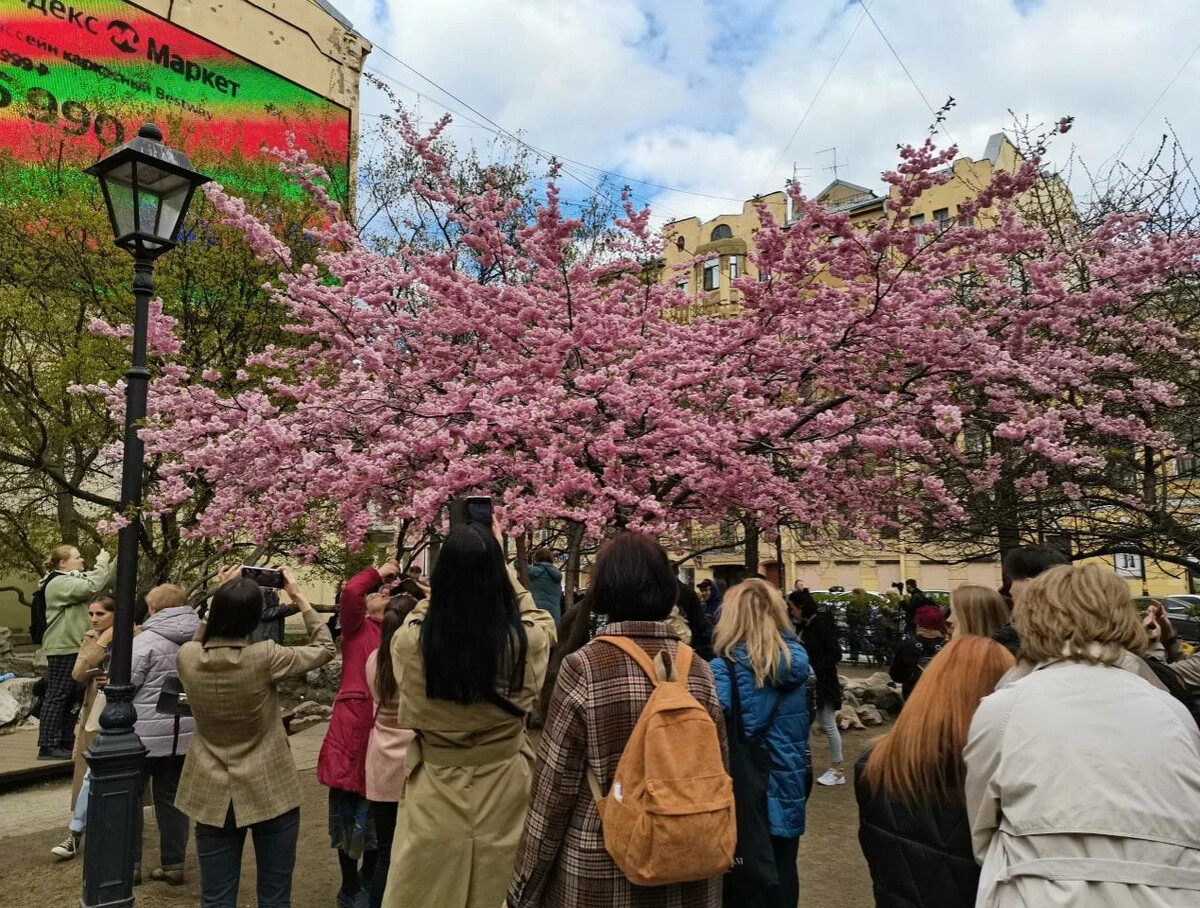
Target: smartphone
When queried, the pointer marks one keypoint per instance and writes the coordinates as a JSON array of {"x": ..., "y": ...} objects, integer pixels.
[
  {"x": 473, "y": 509},
  {"x": 263, "y": 576}
]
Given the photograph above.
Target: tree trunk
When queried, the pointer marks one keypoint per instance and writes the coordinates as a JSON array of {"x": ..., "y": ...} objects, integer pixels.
[
  {"x": 68, "y": 518},
  {"x": 523, "y": 559},
  {"x": 574, "y": 553},
  {"x": 779, "y": 559},
  {"x": 752, "y": 556},
  {"x": 1008, "y": 502}
]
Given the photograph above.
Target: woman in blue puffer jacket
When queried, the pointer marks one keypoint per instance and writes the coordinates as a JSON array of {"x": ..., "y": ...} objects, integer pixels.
[{"x": 770, "y": 667}]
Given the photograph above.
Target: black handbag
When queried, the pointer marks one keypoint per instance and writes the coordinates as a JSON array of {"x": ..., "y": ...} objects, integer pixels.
[
  {"x": 753, "y": 873},
  {"x": 172, "y": 700}
]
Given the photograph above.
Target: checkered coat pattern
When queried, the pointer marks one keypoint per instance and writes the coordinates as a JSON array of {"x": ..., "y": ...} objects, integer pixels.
[
  {"x": 599, "y": 696},
  {"x": 239, "y": 751}
]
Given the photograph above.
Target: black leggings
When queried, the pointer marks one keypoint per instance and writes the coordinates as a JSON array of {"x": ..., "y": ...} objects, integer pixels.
[
  {"x": 384, "y": 814},
  {"x": 352, "y": 878},
  {"x": 787, "y": 852}
]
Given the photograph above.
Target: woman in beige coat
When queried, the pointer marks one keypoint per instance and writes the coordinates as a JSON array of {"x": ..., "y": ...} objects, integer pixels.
[
  {"x": 471, "y": 661},
  {"x": 1083, "y": 777}
]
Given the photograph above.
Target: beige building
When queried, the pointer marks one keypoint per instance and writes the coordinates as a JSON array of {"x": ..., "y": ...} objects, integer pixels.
[{"x": 704, "y": 258}]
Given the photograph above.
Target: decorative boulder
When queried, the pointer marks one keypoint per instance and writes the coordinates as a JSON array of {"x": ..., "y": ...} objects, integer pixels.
[
  {"x": 870, "y": 716},
  {"x": 847, "y": 718},
  {"x": 850, "y": 698}
]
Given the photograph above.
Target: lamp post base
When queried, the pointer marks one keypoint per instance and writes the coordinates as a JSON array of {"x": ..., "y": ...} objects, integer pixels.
[{"x": 115, "y": 759}]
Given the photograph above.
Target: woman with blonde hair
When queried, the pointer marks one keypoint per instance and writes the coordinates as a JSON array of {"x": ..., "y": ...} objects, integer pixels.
[
  {"x": 912, "y": 819},
  {"x": 1081, "y": 775},
  {"x": 976, "y": 610},
  {"x": 761, "y": 671}
]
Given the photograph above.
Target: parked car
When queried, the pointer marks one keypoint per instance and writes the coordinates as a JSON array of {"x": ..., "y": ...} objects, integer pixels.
[{"x": 1182, "y": 611}]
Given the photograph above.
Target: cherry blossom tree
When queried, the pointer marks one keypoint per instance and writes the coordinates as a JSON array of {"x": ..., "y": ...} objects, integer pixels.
[{"x": 572, "y": 384}]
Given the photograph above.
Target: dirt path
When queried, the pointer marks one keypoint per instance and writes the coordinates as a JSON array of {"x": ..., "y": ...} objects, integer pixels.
[{"x": 832, "y": 871}]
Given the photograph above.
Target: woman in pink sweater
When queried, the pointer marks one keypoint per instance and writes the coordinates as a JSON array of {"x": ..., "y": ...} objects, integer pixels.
[{"x": 388, "y": 745}]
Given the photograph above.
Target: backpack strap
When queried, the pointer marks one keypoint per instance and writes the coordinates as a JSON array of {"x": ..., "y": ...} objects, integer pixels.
[{"x": 663, "y": 668}]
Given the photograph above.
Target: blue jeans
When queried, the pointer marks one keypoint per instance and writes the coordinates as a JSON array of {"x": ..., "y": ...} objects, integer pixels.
[
  {"x": 220, "y": 851},
  {"x": 79, "y": 821}
]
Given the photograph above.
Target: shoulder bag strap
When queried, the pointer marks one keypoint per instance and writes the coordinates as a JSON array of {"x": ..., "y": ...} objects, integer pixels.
[
  {"x": 735, "y": 699},
  {"x": 507, "y": 705}
]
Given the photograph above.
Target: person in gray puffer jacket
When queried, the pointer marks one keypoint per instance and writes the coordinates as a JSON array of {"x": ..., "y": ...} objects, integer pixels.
[{"x": 171, "y": 624}]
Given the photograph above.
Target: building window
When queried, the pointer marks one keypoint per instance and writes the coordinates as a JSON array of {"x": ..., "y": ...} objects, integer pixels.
[
  {"x": 682, "y": 286},
  {"x": 712, "y": 274},
  {"x": 722, "y": 232},
  {"x": 679, "y": 243},
  {"x": 942, "y": 216},
  {"x": 733, "y": 268},
  {"x": 917, "y": 220}
]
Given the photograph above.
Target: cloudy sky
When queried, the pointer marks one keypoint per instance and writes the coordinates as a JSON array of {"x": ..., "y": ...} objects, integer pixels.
[{"x": 705, "y": 96}]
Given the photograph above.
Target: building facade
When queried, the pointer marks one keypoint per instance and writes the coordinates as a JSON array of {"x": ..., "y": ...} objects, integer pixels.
[{"x": 703, "y": 259}]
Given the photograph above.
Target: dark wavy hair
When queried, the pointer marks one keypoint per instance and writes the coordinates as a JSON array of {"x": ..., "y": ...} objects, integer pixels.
[
  {"x": 472, "y": 638},
  {"x": 398, "y": 608},
  {"x": 235, "y": 610}
]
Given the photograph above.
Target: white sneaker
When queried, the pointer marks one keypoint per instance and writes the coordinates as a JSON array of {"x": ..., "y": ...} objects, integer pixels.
[
  {"x": 832, "y": 777},
  {"x": 68, "y": 847}
]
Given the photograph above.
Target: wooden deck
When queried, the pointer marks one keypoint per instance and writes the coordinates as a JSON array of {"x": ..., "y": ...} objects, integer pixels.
[{"x": 19, "y": 763}]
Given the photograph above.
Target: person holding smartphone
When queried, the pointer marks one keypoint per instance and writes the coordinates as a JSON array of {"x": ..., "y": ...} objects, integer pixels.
[
  {"x": 239, "y": 774},
  {"x": 470, "y": 661},
  {"x": 341, "y": 766}
]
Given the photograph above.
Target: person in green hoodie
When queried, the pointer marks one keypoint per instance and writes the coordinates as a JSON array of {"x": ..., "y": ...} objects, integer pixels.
[{"x": 68, "y": 590}]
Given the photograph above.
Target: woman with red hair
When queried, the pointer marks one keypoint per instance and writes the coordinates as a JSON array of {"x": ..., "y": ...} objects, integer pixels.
[{"x": 913, "y": 825}]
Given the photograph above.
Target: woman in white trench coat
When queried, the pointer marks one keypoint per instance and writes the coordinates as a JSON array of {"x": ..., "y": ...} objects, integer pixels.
[{"x": 1083, "y": 776}]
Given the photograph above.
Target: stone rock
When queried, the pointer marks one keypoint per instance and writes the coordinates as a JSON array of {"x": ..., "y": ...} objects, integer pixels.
[
  {"x": 311, "y": 708},
  {"x": 300, "y": 723},
  {"x": 879, "y": 679},
  {"x": 6, "y": 645},
  {"x": 31, "y": 723},
  {"x": 847, "y": 718},
  {"x": 850, "y": 698},
  {"x": 870, "y": 716},
  {"x": 21, "y": 690},
  {"x": 10, "y": 709},
  {"x": 843, "y": 681},
  {"x": 884, "y": 697}
]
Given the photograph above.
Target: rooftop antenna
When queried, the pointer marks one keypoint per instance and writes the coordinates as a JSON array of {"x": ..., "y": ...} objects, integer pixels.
[{"x": 835, "y": 166}]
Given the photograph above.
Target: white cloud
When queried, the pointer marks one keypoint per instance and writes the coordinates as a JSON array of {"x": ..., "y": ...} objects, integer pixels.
[{"x": 704, "y": 96}]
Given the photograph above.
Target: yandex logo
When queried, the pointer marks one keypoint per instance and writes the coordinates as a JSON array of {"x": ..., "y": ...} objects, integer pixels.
[{"x": 124, "y": 37}]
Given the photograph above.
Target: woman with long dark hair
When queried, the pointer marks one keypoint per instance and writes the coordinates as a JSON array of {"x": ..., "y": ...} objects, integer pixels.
[
  {"x": 388, "y": 744},
  {"x": 471, "y": 661}
]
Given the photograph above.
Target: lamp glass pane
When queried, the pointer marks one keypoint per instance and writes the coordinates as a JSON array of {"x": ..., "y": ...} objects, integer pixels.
[
  {"x": 123, "y": 204},
  {"x": 171, "y": 213}
]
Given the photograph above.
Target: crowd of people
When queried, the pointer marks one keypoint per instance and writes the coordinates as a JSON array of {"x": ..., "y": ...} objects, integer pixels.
[{"x": 1045, "y": 754}]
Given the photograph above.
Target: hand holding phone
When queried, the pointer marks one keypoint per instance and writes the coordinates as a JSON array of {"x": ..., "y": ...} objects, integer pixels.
[{"x": 272, "y": 578}]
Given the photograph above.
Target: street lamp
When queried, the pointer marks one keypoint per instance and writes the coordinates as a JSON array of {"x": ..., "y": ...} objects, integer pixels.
[{"x": 147, "y": 188}]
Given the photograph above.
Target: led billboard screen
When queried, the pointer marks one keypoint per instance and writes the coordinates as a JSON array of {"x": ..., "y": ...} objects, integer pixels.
[{"x": 80, "y": 77}]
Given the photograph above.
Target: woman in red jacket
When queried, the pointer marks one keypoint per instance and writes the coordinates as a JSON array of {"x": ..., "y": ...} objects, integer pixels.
[{"x": 341, "y": 766}]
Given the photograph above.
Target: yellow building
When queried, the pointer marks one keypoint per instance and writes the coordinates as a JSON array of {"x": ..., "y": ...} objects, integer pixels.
[{"x": 704, "y": 258}]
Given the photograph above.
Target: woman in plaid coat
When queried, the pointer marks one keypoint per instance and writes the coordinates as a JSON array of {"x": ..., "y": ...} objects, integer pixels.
[{"x": 599, "y": 696}]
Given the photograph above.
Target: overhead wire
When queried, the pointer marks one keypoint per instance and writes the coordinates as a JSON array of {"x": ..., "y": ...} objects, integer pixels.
[
  {"x": 865, "y": 5},
  {"x": 1162, "y": 94},
  {"x": 812, "y": 103}
]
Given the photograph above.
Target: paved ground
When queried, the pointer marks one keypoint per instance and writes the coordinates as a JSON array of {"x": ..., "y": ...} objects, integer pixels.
[{"x": 832, "y": 871}]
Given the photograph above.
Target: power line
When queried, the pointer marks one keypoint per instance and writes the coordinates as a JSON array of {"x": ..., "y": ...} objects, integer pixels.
[
  {"x": 813, "y": 102},
  {"x": 874, "y": 22},
  {"x": 516, "y": 138},
  {"x": 1162, "y": 94}
]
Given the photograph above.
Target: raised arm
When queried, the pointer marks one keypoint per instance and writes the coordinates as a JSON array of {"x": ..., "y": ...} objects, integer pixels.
[
  {"x": 92, "y": 653},
  {"x": 78, "y": 588},
  {"x": 286, "y": 661}
]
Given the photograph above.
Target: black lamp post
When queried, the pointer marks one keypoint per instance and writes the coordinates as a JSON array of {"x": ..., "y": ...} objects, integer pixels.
[{"x": 147, "y": 187}]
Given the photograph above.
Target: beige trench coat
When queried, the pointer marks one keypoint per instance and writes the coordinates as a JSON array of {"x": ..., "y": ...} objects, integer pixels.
[
  {"x": 1082, "y": 786},
  {"x": 470, "y": 770}
]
